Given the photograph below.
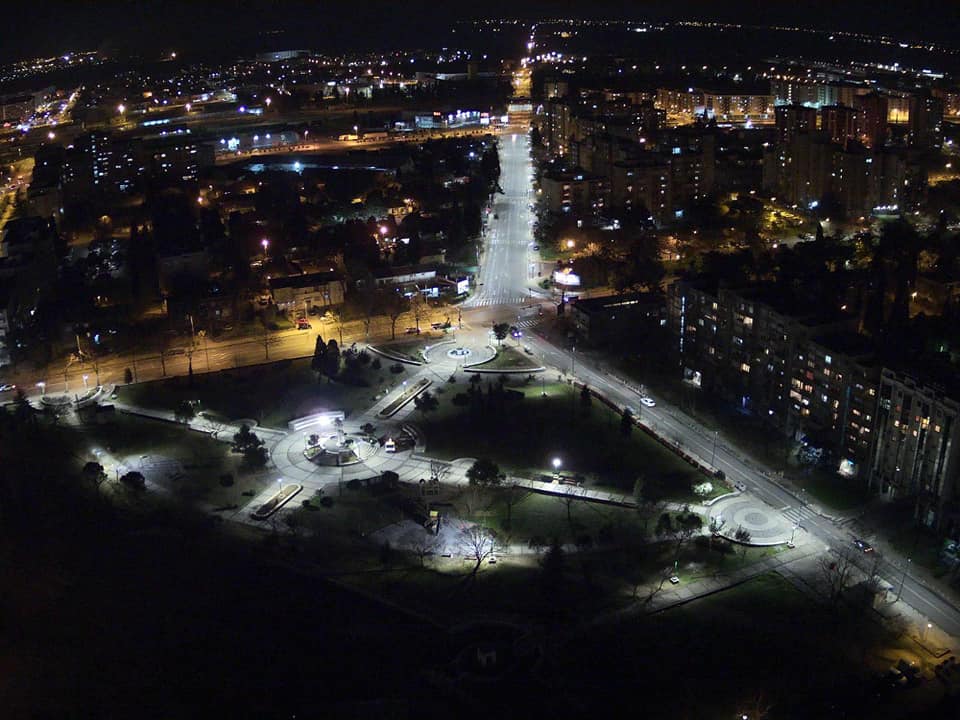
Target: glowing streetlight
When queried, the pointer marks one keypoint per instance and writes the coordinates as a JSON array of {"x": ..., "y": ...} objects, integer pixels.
[
  {"x": 189, "y": 107},
  {"x": 121, "y": 108},
  {"x": 570, "y": 244},
  {"x": 268, "y": 101},
  {"x": 557, "y": 462},
  {"x": 85, "y": 378},
  {"x": 51, "y": 135}
]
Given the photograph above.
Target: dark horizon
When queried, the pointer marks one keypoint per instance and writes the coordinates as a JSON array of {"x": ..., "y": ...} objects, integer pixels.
[{"x": 231, "y": 26}]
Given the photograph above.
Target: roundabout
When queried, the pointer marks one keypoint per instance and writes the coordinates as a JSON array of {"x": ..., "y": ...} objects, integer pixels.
[
  {"x": 461, "y": 351},
  {"x": 765, "y": 525}
]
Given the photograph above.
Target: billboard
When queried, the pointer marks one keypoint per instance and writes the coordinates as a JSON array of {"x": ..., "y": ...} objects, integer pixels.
[{"x": 566, "y": 278}]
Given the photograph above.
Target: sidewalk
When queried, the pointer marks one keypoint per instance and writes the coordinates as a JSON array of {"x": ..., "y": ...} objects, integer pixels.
[{"x": 221, "y": 431}]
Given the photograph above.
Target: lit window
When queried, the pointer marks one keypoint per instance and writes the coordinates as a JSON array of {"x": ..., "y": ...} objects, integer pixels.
[{"x": 745, "y": 367}]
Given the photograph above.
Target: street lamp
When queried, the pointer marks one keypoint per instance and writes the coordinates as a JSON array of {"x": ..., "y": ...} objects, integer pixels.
[
  {"x": 264, "y": 244},
  {"x": 43, "y": 388},
  {"x": 85, "y": 378},
  {"x": 903, "y": 579}
]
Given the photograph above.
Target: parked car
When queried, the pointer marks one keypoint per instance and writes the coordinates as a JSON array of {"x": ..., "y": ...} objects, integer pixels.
[
  {"x": 412, "y": 331},
  {"x": 527, "y": 350},
  {"x": 740, "y": 485},
  {"x": 648, "y": 402},
  {"x": 863, "y": 545},
  {"x": 302, "y": 324},
  {"x": 7, "y": 387}
]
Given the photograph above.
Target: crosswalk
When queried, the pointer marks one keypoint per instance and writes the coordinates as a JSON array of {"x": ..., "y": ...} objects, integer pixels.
[
  {"x": 486, "y": 300},
  {"x": 797, "y": 515}
]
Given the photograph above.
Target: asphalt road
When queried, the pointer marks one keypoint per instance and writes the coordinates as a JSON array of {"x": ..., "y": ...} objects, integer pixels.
[{"x": 503, "y": 266}]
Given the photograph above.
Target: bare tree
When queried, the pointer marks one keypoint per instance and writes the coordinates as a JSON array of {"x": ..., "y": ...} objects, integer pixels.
[
  {"x": 836, "y": 570},
  {"x": 742, "y": 536},
  {"x": 512, "y": 493},
  {"x": 872, "y": 570},
  {"x": 94, "y": 473},
  {"x": 650, "y": 496},
  {"x": 688, "y": 525},
  {"x": 756, "y": 706},
  {"x": 471, "y": 500},
  {"x": 395, "y": 305},
  {"x": 477, "y": 543},
  {"x": 569, "y": 500},
  {"x": 423, "y": 547},
  {"x": 665, "y": 574}
]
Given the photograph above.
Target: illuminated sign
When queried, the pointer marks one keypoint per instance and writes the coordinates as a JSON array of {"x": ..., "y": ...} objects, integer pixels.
[
  {"x": 463, "y": 286},
  {"x": 565, "y": 277}
]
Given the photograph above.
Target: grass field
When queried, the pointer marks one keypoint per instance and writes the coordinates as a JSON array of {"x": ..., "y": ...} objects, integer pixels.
[
  {"x": 509, "y": 358},
  {"x": 524, "y": 435},
  {"x": 272, "y": 394},
  {"x": 203, "y": 459}
]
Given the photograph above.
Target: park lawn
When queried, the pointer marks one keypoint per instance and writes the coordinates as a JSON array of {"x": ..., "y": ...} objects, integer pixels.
[
  {"x": 409, "y": 349},
  {"x": 523, "y": 437},
  {"x": 354, "y": 513},
  {"x": 508, "y": 358},
  {"x": 545, "y": 516},
  {"x": 204, "y": 460},
  {"x": 273, "y": 394},
  {"x": 721, "y": 653}
]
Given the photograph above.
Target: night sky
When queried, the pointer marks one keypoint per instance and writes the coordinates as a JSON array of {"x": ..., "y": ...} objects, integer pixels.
[{"x": 234, "y": 26}]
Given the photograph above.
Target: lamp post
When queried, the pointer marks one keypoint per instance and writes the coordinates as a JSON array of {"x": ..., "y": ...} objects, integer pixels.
[
  {"x": 43, "y": 388},
  {"x": 85, "y": 378},
  {"x": 713, "y": 455},
  {"x": 903, "y": 578},
  {"x": 264, "y": 244}
]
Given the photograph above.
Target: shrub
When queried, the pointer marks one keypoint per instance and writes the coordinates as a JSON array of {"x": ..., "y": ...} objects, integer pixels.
[
  {"x": 226, "y": 480},
  {"x": 703, "y": 489},
  {"x": 134, "y": 479},
  {"x": 127, "y": 376},
  {"x": 326, "y": 501},
  {"x": 396, "y": 368},
  {"x": 375, "y": 364},
  {"x": 461, "y": 399}
]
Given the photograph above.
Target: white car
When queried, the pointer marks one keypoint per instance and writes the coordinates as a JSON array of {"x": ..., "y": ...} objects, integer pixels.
[{"x": 648, "y": 402}]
